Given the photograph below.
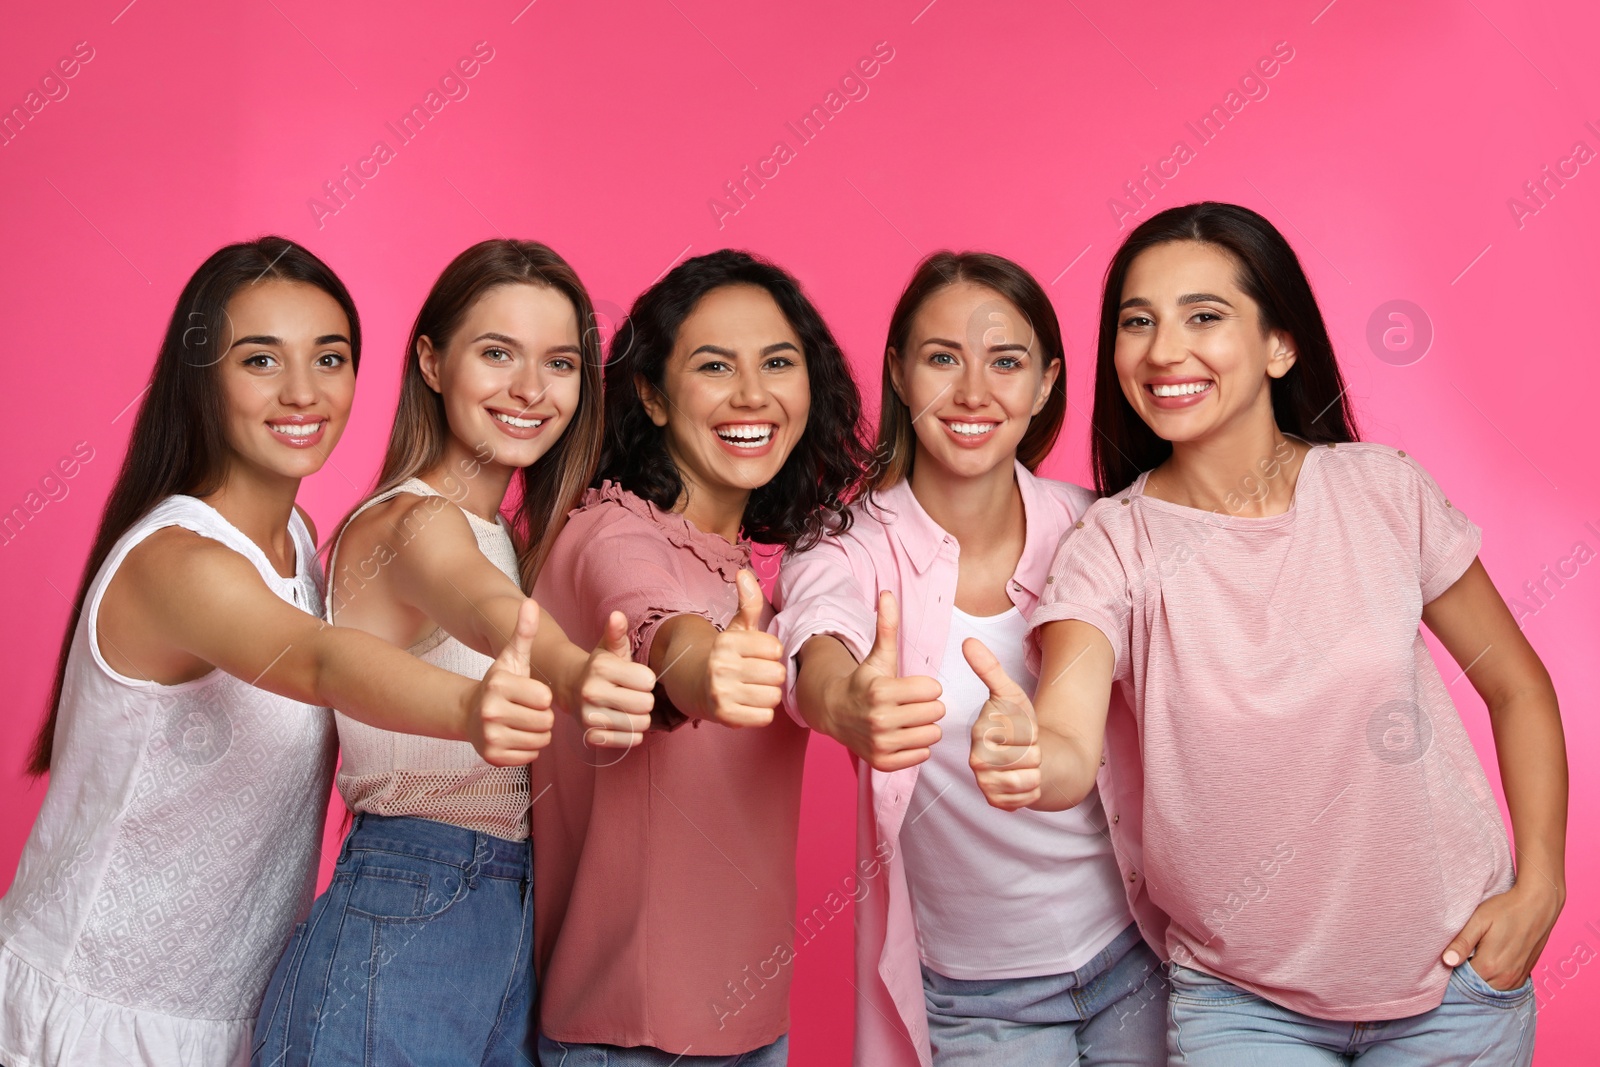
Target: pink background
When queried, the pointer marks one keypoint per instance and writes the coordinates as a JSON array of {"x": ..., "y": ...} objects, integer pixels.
[{"x": 1388, "y": 149}]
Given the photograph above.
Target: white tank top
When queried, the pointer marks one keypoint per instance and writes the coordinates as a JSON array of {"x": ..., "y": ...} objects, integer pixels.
[
  {"x": 176, "y": 847},
  {"x": 388, "y": 773}
]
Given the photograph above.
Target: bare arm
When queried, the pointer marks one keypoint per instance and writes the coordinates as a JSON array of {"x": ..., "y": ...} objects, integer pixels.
[
  {"x": 733, "y": 676},
  {"x": 889, "y": 721},
  {"x": 1509, "y": 931},
  {"x": 1044, "y": 754}
]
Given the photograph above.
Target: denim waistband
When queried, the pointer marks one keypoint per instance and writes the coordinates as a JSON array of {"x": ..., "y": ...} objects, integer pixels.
[{"x": 472, "y": 851}]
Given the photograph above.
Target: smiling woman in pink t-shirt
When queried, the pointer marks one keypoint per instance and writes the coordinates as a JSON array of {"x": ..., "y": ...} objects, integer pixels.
[{"x": 1316, "y": 822}]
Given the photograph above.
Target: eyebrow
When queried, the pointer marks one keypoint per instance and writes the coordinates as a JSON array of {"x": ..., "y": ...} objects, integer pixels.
[
  {"x": 728, "y": 353},
  {"x": 268, "y": 341},
  {"x": 1186, "y": 298},
  {"x": 1010, "y": 346}
]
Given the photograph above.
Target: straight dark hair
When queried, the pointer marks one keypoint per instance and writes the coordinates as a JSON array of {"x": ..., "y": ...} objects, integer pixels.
[
  {"x": 1309, "y": 401},
  {"x": 179, "y": 444},
  {"x": 808, "y": 496},
  {"x": 547, "y": 490},
  {"x": 897, "y": 440}
]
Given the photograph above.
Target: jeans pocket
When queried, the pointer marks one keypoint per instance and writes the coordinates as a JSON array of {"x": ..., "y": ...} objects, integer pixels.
[
  {"x": 1475, "y": 986},
  {"x": 402, "y": 889},
  {"x": 1198, "y": 987}
]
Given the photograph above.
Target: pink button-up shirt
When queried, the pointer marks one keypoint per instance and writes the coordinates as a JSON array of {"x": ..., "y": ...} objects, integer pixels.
[{"x": 833, "y": 589}]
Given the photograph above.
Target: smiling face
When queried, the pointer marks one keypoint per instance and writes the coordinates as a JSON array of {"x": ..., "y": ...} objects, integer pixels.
[
  {"x": 286, "y": 378},
  {"x": 1192, "y": 355},
  {"x": 734, "y": 394},
  {"x": 973, "y": 376},
  {"x": 510, "y": 373}
]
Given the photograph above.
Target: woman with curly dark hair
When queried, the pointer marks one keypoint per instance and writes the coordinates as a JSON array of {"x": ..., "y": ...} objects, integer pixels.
[{"x": 665, "y": 880}]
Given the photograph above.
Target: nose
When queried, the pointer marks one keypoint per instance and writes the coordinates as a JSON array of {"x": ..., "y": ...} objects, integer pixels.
[
  {"x": 297, "y": 388},
  {"x": 1167, "y": 348},
  {"x": 528, "y": 385},
  {"x": 749, "y": 390},
  {"x": 972, "y": 387}
]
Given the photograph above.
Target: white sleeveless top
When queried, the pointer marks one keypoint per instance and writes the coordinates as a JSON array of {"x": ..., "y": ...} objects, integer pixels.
[
  {"x": 175, "y": 850},
  {"x": 388, "y": 773}
]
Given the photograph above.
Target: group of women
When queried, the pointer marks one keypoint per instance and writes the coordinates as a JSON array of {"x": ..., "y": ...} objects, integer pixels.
[{"x": 1162, "y": 772}]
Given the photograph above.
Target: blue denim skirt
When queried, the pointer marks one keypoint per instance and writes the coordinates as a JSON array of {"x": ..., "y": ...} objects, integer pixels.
[{"x": 419, "y": 953}]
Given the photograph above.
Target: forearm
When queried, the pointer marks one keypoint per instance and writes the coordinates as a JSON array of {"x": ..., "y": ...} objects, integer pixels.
[
  {"x": 1533, "y": 771},
  {"x": 559, "y": 663},
  {"x": 679, "y": 655},
  {"x": 1067, "y": 770},
  {"x": 824, "y": 669},
  {"x": 369, "y": 679}
]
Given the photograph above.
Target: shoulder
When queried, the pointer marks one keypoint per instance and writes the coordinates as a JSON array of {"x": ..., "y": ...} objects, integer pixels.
[
  {"x": 177, "y": 557},
  {"x": 1071, "y": 499},
  {"x": 1370, "y": 468},
  {"x": 407, "y": 526}
]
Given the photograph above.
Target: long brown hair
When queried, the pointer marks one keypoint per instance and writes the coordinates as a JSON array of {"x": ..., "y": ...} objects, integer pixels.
[
  {"x": 548, "y": 489},
  {"x": 179, "y": 444},
  {"x": 897, "y": 439},
  {"x": 1309, "y": 402}
]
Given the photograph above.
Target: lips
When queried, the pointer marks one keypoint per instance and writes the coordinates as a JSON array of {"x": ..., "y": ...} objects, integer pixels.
[
  {"x": 746, "y": 440},
  {"x": 299, "y": 431},
  {"x": 521, "y": 426},
  {"x": 1173, "y": 393},
  {"x": 969, "y": 433}
]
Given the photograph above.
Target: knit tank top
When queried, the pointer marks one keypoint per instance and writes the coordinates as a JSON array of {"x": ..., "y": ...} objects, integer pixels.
[{"x": 389, "y": 773}]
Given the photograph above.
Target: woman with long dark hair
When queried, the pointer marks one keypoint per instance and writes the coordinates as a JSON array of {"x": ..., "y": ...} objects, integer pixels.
[
  {"x": 189, "y": 741},
  {"x": 977, "y": 930},
  {"x": 665, "y": 875},
  {"x": 421, "y": 949},
  {"x": 1246, "y": 603}
]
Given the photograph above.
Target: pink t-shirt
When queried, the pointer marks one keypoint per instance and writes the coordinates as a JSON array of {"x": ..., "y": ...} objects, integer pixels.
[
  {"x": 1316, "y": 822},
  {"x": 664, "y": 876}
]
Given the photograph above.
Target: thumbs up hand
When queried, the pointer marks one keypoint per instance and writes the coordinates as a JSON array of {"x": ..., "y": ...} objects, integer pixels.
[
  {"x": 1005, "y": 737},
  {"x": 509, "y": 713},
  {"x": 744, "y": 670},
  {"x": 886, "y": 720},
  {"x": 616, "y": 694}
]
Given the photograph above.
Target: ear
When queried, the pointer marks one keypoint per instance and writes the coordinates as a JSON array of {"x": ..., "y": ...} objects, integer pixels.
[
  {"x": 428, "y": 362},
  {"x": 896, "y": 373},
  {"x": 654, "y": 403},
  {"x": 1052, "y": 371},
  {"x": 1283, "y": 354}
]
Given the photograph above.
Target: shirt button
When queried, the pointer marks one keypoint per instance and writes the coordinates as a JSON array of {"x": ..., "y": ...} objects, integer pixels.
[
  {"x": 1333, "y": 444},
  {"x": 1402, "y": 452},
  {"x": 1117, "y": 817},
  {"x": 1102, "y": 761},
  {"x": 1133, "y": 876},
  {"x": 1124, "y": 501},
  {"x": 1049, "y": 578},
  {"x": 1448, "y": 504},
  {"x": 1079, "y": 524}
]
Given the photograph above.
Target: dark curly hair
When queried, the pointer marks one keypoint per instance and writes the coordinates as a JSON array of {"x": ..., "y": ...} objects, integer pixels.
[{"x": 807, "y": 498}]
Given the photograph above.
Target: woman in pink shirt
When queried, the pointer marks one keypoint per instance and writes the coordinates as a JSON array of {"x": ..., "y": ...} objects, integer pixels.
[
  {"x": 665, "y": 875},
  {"x": 974, "y": 929},
  {"x": 1316, "y": 822}
]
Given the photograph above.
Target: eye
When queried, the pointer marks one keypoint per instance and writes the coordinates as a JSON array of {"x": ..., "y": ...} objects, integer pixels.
[
  {"x": 333, "y": 359},
  {"x": 779, "y": 362},
  {"x": 943, "y": 359},
  {"x": 562, "y": 363},
  {"x": 496, "y": 355},
  {"x": 714, "y": 366},
  {"x": 1205, "y": 318},
  {"x": 261, "y": 360},
  {"x": 1136, "y": 322},
  {"x": 1008, "y": 362}
]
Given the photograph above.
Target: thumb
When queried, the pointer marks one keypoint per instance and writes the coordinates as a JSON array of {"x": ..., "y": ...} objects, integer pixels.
[
  {"x": 514, "y": 657},
  {"x": 750, "y": 603},
  {"x": 615, "y": 638},
  {"x": 987, "y": 667},
  {"x": 1463, "y": 944},
  {"x": 885, "y": 652}
]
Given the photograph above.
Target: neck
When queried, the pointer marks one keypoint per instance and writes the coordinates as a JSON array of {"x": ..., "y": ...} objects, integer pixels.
[
  {"x": 717, "y": 509},
  {"x": 258, "y": 504},
  {"x": 1249, "y": 469},
  {"x": 480, "y": 487},
  {"x": 976, "y": 510}
]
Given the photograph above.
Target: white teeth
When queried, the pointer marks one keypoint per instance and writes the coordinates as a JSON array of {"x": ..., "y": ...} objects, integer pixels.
[
  {"x": 746, "y": 436},
  {"x": 296, "y": 429},
  {"x": 512, "y": 420},
  {"x": 971, "y": 429},
  {"x": 1186, "y": 389}
]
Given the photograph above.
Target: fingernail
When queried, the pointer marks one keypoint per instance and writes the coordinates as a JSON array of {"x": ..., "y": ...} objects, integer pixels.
[{"x": 1452, "y": 958}]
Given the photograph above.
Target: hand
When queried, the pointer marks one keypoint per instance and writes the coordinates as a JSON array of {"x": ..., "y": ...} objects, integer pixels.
[
  {"x": 1508, "y": 931},
  {"x": 884, "y": 719},
  {"x": 615, "y": 693},
  {"x": 508, "y": 713},
  {"x": 1005, "y": 738},
  {"x": 744, "y": 671}
]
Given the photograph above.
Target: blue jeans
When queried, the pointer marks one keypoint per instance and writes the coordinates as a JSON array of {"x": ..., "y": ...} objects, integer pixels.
[
  {"x": 562, "y": 1054},
  {"x": 1112, "y": 1010},
  {"x": 1213, "y": 1023},
  {"x": 419, "y": 954}
]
